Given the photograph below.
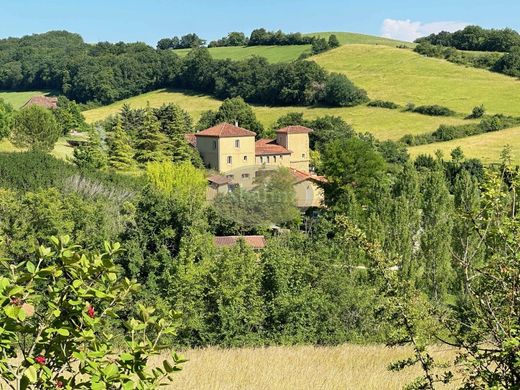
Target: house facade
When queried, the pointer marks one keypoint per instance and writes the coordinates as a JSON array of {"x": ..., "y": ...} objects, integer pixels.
[{"x": 239, "y": 158}]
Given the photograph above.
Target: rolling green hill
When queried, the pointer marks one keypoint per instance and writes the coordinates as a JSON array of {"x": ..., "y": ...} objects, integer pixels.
[
  {"x": 383, "y": 123},
  {"x": 403, "y": 76},
  {"x": 292, "y": 52}
]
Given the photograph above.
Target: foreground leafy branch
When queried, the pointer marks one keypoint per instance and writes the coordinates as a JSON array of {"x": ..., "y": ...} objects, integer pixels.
[{"x": 54, "y": 320}]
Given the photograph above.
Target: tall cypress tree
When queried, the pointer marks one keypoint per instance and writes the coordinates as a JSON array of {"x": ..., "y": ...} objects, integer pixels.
[
  {"x": 150, "y": 141},
  {"x": 120, "y": 151},
  {"x": 90, "y": 154}
]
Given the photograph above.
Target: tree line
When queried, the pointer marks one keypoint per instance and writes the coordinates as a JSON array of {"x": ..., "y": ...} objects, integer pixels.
[{"x": 105, "y": 72}]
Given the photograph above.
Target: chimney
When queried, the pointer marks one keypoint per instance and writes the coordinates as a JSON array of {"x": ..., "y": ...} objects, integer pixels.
[{"x": 236, "y": 123}]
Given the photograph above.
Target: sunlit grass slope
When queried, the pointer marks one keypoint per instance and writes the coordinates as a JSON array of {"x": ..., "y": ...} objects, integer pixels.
[
  {"x": 383, "y": 123},
  {"x": 486, "y": 147},
  {"x": 62, "y": 149},
  {"x": 353, "y": 367},
  {"x": 348, "y": 38},
  {"x": 402, "y": 76},
  {"x": 271, "y": 53},
  {"x": 18, "y": 99}
]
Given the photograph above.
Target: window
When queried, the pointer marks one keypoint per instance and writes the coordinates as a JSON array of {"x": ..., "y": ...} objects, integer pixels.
[
  {"x": 245, "y": 175},
  {"x": 245, "y": 158},
  {"x": 261, "y": 159},
  {"x": 303, "y": 155},
  {"x": 274, "y": 158},
  {"x": 237, "y": 143},
  {"x": 214, "y": 144},
  {"x": 229, "y": 160},
  {"x": 231, "y": 177},
  {"x": 268, "y": 159}
]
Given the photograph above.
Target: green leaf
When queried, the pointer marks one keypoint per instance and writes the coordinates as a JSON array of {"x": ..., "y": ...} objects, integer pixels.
[
  {"x": 31, "y": 374},
  {"x": 77, "y": 283},
  {"x": 30, "y": 267},
  {"x": 126, "y": 357},
  {"x": 110, "y": 371},
  {"x": 56, "y": 313},
  {"x": 63, "y": 332},
  {"x": 21, "y": 314},
  {"x": 11, "y": 311}
]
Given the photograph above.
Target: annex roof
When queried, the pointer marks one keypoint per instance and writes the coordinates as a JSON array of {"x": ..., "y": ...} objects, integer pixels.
[
  {"x": 225, "y": 130},
  {"x": 294, "y": 130},
  {"x": 42, "y": 101},
  {"x": 257, "y": 242},
  {"x": 302, "y": 176},
  {"x": 192, "y": 140},
  {"x": 219, "y": 180},
  {"x": 267, "y": 147}
]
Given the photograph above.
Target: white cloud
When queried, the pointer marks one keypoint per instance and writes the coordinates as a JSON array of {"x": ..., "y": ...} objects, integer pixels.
[{"x": 407, "y": 30}]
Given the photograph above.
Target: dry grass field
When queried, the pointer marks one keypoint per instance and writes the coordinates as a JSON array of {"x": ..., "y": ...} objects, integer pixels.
[
  {"x": 486, "y": 147},
  {"x": 306, "y": 367}
]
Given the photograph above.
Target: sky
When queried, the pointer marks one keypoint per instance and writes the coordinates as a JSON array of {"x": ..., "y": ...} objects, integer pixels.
[{"x": 151, "y": 20}]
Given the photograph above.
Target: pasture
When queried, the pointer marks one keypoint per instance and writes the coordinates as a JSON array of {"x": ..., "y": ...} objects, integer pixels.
[
  {"x": 486, "y": 147},
  {"x": 383, "y": 123},
  {"x": 18, "y": 99},
  {"x": 402, "y": 76}
]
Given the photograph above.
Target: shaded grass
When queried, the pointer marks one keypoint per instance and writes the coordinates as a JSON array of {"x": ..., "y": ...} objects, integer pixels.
[
  {"x": 402, "y": 76},
  {"x": 62, "y": 149},
  {"x": 383, "y": 123},
  {"x": 18, "y": 99},
  {"x": 300, "y": 367},
  {"x": 486, "y": 147}
]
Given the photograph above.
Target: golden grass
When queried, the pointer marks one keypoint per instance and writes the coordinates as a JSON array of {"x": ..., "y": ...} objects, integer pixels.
[
  {"x": 402, "y": 76},
  {"x": 62, "y": 149},
  {"x": 303, "y": 367},
  {"x": 383, "y": 123},
  {"x": 486, "y": 147}
]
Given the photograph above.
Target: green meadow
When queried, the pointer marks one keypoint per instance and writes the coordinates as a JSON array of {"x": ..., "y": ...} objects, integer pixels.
[{"x": 18, "y": 99}]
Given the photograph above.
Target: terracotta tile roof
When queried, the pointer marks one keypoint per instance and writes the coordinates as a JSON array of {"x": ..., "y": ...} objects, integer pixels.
[
  {"x": 42, "y": 101},
  {"x": 192, "y": 140},
  {"x": 269, "y": 146},
  {"x": 225, "y": 130},
  {"x": 302, "y": 176},
  {"x": 294, "y": 130},
  {"x": 257, "y": 242},
  {"x": 219, "y": 180}
]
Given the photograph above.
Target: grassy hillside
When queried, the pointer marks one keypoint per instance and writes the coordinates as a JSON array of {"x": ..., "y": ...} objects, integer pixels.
[
  {"x": 383, "y": 123},
  {"x": 290, "y": 53},
  {"x": 299, "y": 367},
  {"x": 403, "y": 76},
  {"x": 486, "y": 147},
  {"x": 271, "y": 53},
  {"x": 18, "y": 99},
  {"x": 62, "y": 149},
  {"x": 348, "y": 38}
]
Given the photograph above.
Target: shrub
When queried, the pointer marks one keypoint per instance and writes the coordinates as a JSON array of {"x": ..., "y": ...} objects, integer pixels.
[
  {"x": 383, "y": 104},
  {"x": 340, "y": 91},
  {"x": 56, "y": 308},
  {"x": 434, "y": 110},
  {"x": 477, "y": 112},
  {"x": 35, "y": 128}
]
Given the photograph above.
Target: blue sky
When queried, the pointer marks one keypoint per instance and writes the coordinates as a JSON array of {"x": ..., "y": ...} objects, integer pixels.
[{"x": 150, "y": 20}]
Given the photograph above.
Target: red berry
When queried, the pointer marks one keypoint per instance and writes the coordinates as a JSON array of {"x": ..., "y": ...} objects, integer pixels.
[
  {"x": 59, "y": 384},
  {"x": 40, "y": 360},
  {"x": 91, "y": 312}
]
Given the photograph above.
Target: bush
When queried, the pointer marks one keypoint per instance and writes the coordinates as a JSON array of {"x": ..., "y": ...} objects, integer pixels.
[
  {"x": 383, "y": 104},
  {"x": 477, "y": 112},
  {"x": 56, "y": 311},
  {"x": 341, "y": 92},
  {"x": 434, "y": 110},
  {"x": 35, "y": 128}
]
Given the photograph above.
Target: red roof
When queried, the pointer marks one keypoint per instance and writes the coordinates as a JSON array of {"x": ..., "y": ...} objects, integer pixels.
[
  {"x": 42, "y": 101},
  {"x": 257, "y": 242},
  {"x": 192, "y": 140},
  {"x": 302, "y": 176},
  {"x": 294, "y": 130},
  {"x": 219, "y": 180},
  {"x": 269, "y": 146},
  {"x": 225, "y": 130}
]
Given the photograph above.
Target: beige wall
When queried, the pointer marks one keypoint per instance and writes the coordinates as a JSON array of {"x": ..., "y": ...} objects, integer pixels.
[
  {"x": 215, "y": 152},
  {"x": 298, "y": 144},
  {"x": 277, "y": 160},
  {"x": 243, "y": 156},
  {"x": 308, "y": 194}
]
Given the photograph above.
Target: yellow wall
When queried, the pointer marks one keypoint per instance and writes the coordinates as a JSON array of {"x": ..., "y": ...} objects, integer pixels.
[
  {"x": 209, "y": 154},
  {"x": 308, "y": 194},
  {"x": 279, "y": 160},
  {"x": 298, "y": 144},
  {"x": 227, "y": 148}
]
